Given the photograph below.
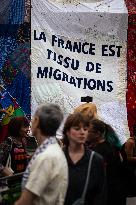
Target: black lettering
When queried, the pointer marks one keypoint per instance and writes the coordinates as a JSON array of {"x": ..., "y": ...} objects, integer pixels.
[
  {"x": 98, "y": 68},
  {"x": 54, "y": 39},
  {"x": 43, "y": 72},
  {"x": 109, "y": 86},
  {"x": 79, "y": 80},
  {"x": 90, "y": 66},
  {"x": 50, "y": 72},
  {"x": 66, "y": 61},
  {"x": 35, "y": 37},
  {"x": 60, "y": 58},
  {"x": 111, "y": 50},
  {"x": 49, "y": 52},
  {"x": 55, "y": 56},
  {"x": 72, "y": 81},
  {"x": 83, "y": 47},
  {"x": 85, "y": 83},
  {"x": 77, "y": 47},
  {"x": 42, "y": 36},
  {"x": 91, "y": 84},
  {"x": 57, "y": 74},
  {"x": 74, "y": 65},
  {"x": 60, "y": 43},
  {"x": 68, "y": 45},
  {"x": 101, "y": 85},
  {"x": 104, "y": 50},
  {"x": 92, "y": 49},
  {"x": 65, "y": 77},
  {"x": 119, "y": 50}
]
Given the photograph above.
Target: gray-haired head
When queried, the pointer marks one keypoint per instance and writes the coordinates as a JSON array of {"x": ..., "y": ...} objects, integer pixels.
[{"x": 50, "y": 117}]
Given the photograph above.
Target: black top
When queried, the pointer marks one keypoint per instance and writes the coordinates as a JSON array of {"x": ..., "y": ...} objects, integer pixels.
[
  {"x": 111, "y": 158},
  {"x": 20, "y": 153},
  {"x": 18, "y": 158},
  {"x": 17, "y": 152},
  {"x": 115, "y": 183},
  {"x": 129, "y": 174},
  {"x": 96, "y": 192}
]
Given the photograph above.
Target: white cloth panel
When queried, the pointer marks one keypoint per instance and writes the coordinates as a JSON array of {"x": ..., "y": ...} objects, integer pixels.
[{"x": 57, "y": 25}]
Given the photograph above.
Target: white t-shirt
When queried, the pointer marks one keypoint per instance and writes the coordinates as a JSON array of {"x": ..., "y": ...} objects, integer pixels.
[{"x": 48, "y": 177}]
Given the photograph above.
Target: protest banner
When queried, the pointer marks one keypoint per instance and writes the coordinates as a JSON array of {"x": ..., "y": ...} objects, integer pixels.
[{"x": 79, "y": 50}]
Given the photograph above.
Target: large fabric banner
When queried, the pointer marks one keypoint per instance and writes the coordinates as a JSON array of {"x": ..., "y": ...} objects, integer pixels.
[{"x": 79, "y": 50}]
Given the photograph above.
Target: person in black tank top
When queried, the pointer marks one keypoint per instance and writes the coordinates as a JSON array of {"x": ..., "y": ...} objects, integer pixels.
[{"x": 14, "y": 145}]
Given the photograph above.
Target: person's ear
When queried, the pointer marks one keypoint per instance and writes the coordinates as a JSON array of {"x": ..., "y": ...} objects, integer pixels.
[
  {"x": 36, "y": 121},
  {"x": 67, "y": 133}
]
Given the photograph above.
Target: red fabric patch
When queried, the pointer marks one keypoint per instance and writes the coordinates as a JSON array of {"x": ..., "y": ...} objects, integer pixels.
[{"x": 131, "y": 64}]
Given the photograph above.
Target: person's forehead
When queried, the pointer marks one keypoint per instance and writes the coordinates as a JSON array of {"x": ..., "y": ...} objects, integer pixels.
[{"x": 80, "y": 124}]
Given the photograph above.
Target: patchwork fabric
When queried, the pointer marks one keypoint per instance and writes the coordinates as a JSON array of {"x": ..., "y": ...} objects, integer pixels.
[
  {"x": 7, "y": 46},
  {"x": 8, "y": 73},
  {"x": 17, "y": 12},
  {"x": 24, "y": 33},
  {"x": 131, "y": 65},
  {"x": 14, "y": 61},
  {"x": 4, "y": 11},
  {"x": 20, "y": 90},
  {"x": 20, "y": 58}
]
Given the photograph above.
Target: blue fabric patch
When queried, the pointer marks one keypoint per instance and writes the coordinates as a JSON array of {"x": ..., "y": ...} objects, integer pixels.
[
  {"x": 7, "y": 46},
  {"x": 5, "y": 100},
  {"x": 20, "y": 59},
  {"x": 5, "y": 6},
  {"x": 20, "y": 89},
  {"x": 8, "y": 30},
  {"x": 17, "y": 12}
]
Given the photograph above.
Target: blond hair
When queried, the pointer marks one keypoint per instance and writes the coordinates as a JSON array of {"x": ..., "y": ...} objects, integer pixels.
[{"x": 88, "y": 110}]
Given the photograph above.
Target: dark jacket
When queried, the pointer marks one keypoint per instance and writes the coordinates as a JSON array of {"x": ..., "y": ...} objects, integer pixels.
[
  {"x": 96, "y": 192},
  {"x": 115, "y": 183}
]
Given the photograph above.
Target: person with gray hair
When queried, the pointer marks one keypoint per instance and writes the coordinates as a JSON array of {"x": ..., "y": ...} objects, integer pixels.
[{"x": 46, "y": 177}]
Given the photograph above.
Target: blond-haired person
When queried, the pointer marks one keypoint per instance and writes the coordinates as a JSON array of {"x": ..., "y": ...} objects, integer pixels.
[{"x": 89, "y": 110}]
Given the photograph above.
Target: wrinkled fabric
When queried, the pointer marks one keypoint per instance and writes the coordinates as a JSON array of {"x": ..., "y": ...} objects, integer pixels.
[
  {"x": 20, "y": 89},
  {"x": 17, "y": 12},
  {"x": 59, "y": 66},
  {"x": 5, "y": 6},
  {"x": 7, "y": 46}
]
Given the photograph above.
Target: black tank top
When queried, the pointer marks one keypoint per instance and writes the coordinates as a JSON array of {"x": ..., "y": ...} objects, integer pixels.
[{"x": 18, "y": 158}]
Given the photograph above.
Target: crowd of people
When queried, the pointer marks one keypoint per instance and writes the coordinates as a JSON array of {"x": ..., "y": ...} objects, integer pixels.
[{"x": 57, "y": 171}]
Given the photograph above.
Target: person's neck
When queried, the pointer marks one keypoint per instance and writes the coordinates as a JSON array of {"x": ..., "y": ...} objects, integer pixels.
[
  {"x": 76, "y": 152},
  {"x": 73, "y": 148},
  {"x": 41, "y": 138}
]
